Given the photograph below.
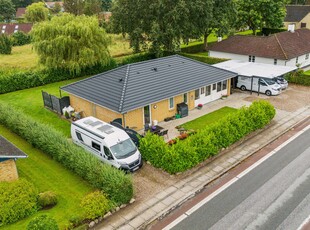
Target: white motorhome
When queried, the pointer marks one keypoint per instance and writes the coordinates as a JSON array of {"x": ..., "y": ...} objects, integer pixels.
[
  {"x": 263, "y": 85},
  {"x": 110, "y": 144}
]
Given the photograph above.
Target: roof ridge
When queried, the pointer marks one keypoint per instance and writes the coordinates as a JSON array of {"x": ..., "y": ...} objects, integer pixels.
[
  {"x": 121, "y": 103},
  {"x": 280, "y": 46}
]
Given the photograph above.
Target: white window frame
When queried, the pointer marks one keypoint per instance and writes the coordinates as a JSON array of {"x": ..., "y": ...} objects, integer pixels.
[
  {"x": 185, "y": 96},
  {"x": 169, "y": 104}
]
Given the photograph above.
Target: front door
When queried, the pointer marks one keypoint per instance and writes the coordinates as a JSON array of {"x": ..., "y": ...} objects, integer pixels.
[{"x": 147, "y": 114}]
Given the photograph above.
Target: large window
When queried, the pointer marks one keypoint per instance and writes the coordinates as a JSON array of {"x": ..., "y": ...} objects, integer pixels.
[
  {"x": 224, "y": 85},
  {"x": 214, "y": 87},
  {"x": 197, "y": 94},
  {"x": 185, "y": 99},
  {"x": 171, "y": 103},
  {"x": 79, "y": 136},
  {"x": 202, "y": 90},
  {"x": 219, "y": 86},
  {"x": 208, "y": 90},
  {"x": 95, "y": 146}
]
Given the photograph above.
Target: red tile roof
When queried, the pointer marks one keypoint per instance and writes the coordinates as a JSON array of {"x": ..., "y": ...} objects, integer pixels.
[
  {"x": 284, "y": 46},
  {"x": 9, "y": 28},
  {"x": 20, "y": 12}
]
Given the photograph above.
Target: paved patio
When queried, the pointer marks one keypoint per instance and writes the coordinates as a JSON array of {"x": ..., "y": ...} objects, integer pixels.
[{"x": 231, "y": 101}]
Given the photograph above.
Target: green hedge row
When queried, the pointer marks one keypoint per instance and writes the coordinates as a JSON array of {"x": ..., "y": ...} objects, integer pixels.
[
  {"x": 205, "y": 59},
  {"x": 208, "y": 141},
  {"x": 299, "y": 78},
  {"x": 115, "y": 183},
  {"x": 18, "y": 199},
  {"x": 196, "y": 48}
]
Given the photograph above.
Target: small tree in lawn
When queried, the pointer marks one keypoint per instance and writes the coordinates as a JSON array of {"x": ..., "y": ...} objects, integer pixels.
[
  {"x": 5, "y": 44},
  {"x": 7, "y": 10},
  {"x": 71, "y": 42},
  {"x": 36, "y": 12}
]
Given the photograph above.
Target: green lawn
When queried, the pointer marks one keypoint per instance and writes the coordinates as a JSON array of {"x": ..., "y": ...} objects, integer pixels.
[
  {"x": 31, "y": 103},
  {"x": 307, "y": 72},
  {"x": 208, "y": 119},
  {"x": 48, "y": 175}
]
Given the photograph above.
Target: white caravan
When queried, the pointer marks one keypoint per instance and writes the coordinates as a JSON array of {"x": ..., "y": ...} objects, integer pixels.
[
  {"x": 264, "y": 85},
  {"x": 110, "y": 144}
]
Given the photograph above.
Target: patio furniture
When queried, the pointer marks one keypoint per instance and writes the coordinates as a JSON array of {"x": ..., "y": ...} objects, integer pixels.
[
  {"x": 156, "y": 129},
  {"x": 164, "y": 133}
]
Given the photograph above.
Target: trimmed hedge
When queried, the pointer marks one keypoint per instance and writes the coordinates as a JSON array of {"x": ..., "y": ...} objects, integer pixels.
[
  {"x": 115, "y": 183},
  {"x": 205, "y": 59},
  {"x": 18, "y": 200},
  {"x": 299, "y": 78},
  {"x": 47, "y": 199},
  {"x": 208, "y": 141},
  {"x": 195, "y": 48}
]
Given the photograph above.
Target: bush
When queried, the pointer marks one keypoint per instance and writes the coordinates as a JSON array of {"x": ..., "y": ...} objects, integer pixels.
[
  {"x": 205, "y": 59},
  {"x": 115, "y": 183},
  {"x": 298, "y": 77},
  {"x": 195, "y": 48},
  {"x": 95, "y": 205},
  {"x": 18, "y": 200},
  {"x": 5, "y": 44},
  {"x": 47, "y": 199},
  {"x": 207, "y": 141},
  {"x": 19, "y": 39},
  {"x": 42, "y": 222}
]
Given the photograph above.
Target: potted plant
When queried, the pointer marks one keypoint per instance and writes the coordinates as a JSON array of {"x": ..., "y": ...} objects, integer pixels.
[{"x": 199, "y": 106}]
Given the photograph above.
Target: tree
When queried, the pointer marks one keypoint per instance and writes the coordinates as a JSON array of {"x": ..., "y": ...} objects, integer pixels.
[
  {"x": 5, "y": 44},
  {"x": 92, "y": 7},
  {"x": 57, "y": 8},
  {"x": 71, "y": 42},
  {"x": 22, "y": 3},
  {"x": 75, "y": 7},
  {"x": 36, "y": 12},
  {"x": 106, "y": 5},
  {"x": 260, "y": 13},
  {"x": 7, "y": 10}
]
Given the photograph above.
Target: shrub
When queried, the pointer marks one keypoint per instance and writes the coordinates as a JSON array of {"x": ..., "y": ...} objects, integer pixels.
[
  {"x": 5, "y": 44},
  {"x": 94, "y": 205},
  {"x": 206, "y": 142},
  {"x": 18, "y": 200},
  {"x": 47, "y": 199},
  {"x": 205, "y": 59},
  {"x": 115, "y": 183},
  {"x": 298, "y": 77},
  {"x": 195, "y": 48},
  {"x": 19, "y": 39},
  {"x": 42, "y": 222}
]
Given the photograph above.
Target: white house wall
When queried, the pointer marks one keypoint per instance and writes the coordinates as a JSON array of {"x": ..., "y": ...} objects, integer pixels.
[{"x": 292, "y": 62}]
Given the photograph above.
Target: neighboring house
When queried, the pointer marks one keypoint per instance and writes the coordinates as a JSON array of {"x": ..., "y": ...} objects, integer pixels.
[
  {"x": 10, "y": 28},
  {"x": 20, "y": 13},
  {"x": 142, "y": 92},
  {"x": 297, "y": 15},
  {"x": 285, "y": 48},
  {"x": 8, "y": 155},
  {"x": 51, "y": 5}
]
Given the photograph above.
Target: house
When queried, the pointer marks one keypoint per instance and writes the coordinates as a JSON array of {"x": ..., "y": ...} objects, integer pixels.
[
  {"x": 10, "y": 28},
  {"x": 8, "y": 155},
  {"x": 20, "y": 13},
  {"x": 142, "y": 92},
  {"x": 51, "y": 5},
  {"x": 297, "y": 15},
  {"x": 288, "y": 48}
]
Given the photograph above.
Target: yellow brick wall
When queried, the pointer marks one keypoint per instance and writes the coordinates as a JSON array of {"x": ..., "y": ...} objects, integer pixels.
[
  {"x": 134, "y": 119},
  {"x": 191, "y": 100},
  {"x": 106, "y": 114},
  {"x": 228, "y": 86},
  {"x": 8, "y": 170}
]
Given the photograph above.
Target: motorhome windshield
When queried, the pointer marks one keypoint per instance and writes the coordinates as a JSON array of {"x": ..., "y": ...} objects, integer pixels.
[
  {"x": 123, "y": 149},
  {"x": 270, "y": 81}
]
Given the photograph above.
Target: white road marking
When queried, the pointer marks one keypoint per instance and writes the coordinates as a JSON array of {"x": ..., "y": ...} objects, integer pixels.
[{"x": 233, "y": 180}]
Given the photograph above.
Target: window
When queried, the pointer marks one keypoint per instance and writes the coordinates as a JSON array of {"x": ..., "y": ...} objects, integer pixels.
[
  {"x": 297, "y": 60},
  {"x": 275, "y": 61},
  {"x": 197, "y": 94},
  {"x": 3, "y": 29},
  {"x": 202, "y": 90},
  {"x": 95, "y": 146},
  {"x": 219, "y": 86},
  {"x": 16, "y": 29},
  {"x": 307, "y": 56},
  {"x": 251, "y": 58},
  {"x": 185, "y": 98},
  {"x": 79, "y": 136},
  {"x": 208, "y": 90},
  {"x": 224, "y": 85},
  {"x": 214, "y": 87},
  {"x": 107, "y": 152},
  {"x": 303, "y": 25},
  {"x": 171, "y": 103}
]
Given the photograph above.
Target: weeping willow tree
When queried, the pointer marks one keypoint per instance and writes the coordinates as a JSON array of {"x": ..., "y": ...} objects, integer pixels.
[{"x": 71, "y": 42}]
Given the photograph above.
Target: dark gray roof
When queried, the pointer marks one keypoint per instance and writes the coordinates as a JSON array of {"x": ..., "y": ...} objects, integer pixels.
[
  {"x": 295, "y": 13},
  {"x": 139, "y": 84},
  {"x": 8, "y": 150}
]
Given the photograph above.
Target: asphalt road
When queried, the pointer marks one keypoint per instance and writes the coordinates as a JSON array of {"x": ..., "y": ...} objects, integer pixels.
[{"x": 274, "y": 195}]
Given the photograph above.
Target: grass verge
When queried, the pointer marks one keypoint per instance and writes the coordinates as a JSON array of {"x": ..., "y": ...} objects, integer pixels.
[
  {"x": 209, "y": 118},
  {"x": 48, "y": 175}
]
